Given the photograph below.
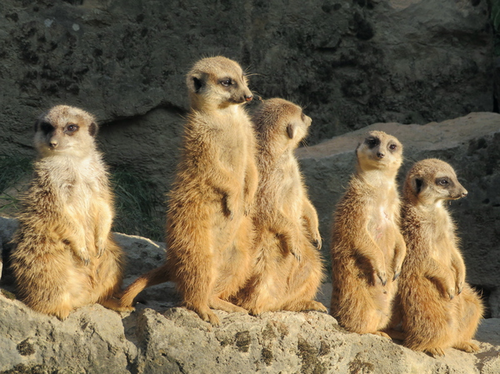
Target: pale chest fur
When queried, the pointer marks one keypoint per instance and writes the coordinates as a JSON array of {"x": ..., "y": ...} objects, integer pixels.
[
  {"x": 442, "y": 241},
  {"x": 79, "y": 184},
  {"x": 383, "y": 215},
  {"x": 281, "y": 186},
  {"x": 232, "y": 134}
]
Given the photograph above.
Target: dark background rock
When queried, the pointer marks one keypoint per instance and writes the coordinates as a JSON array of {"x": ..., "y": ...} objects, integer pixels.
[{"x": 352, "y": 63}]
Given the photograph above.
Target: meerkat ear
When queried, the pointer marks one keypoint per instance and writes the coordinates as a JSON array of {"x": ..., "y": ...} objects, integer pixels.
[
  {"x": 93, "y": 129},
  {"x": 417, "y": 184},
  {"x": 291, "y": 130},
  {"x": 198, "y": 84}
]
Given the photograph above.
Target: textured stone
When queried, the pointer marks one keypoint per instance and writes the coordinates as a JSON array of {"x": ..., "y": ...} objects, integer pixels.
[{"x": 161, "y": 338}]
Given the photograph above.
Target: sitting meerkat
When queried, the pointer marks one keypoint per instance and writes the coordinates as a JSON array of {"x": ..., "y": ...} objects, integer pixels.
[
  {"x": 209, "y": 230},
  {"x": 288, "y": 269},
  {"x": 367, "y": 247},
  {"x": 64, "y": 255},
  {"x": 438, "y": 308}
]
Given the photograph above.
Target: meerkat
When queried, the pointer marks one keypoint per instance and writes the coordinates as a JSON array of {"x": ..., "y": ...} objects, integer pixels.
[
  {"x": 64, "y": 255},
  {"x": 438, "y": 308},
  {"x": 209, "y": 230},
  {"x": 367, "y": 246},
  {"x": 288, "y": 268}
]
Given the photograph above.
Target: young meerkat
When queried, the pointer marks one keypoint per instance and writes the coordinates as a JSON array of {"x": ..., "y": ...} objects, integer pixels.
[
  {"x": 64, "y": 255},
  {"x": 367, "y": 246},
  {"x": 437, "y": 307},
  {"x": 288, "y": 269},
  {"x": 209, "y": 230}
]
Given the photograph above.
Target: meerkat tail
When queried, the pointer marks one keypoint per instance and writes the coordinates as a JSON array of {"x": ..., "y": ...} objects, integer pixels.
[{"x": 152, "y": 278}]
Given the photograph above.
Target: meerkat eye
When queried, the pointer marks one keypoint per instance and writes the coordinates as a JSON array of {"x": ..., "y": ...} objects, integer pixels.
[
  {"x": 46, "y": 127},
  {"x": 71, "y": 128},
  {"x": 393, "y": 147},
  {"x": 443, "y": 181},
  {"x": 226, "y": 82}
]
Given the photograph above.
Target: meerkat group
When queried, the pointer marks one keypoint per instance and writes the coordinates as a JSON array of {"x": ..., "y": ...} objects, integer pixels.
[{"x": 242, "y": 234}]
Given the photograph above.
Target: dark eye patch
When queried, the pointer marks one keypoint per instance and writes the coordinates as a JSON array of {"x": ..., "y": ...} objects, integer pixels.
[
  {"x": 372, "y": 141},
  {"x": 393, "y": 147},
  {"x": 198, "y": 84},
  {"x": 46, "y": 127}
]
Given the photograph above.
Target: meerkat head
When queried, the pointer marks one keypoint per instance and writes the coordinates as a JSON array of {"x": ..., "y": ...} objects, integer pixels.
[
  {"x": 65, "y": 130},
  {"x": 216, "y": 83},
  {"x": 379, "y": 151},
  {"x": 431, "y": 181},
  {"x": 279, "y": 121}
]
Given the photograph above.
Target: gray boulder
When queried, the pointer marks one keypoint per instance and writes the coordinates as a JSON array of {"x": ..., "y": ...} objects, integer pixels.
[{"x": 160, "y": 337}]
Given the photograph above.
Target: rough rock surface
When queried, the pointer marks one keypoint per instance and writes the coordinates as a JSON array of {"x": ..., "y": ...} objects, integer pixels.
[
  {"x": 352, "y": 63},
  {"x": 470, "y": 144},
  {"x": 159, "y": 338}
]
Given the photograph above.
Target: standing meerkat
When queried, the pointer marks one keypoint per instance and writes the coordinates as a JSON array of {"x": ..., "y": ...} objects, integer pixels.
[
  {"x": 367, "y": 246},
  {"x": 65, "y": 256},
  {"x": 209, "y": 231},
  {"x": 288, "y": 269},
  {"x": 437, "y": 307}
]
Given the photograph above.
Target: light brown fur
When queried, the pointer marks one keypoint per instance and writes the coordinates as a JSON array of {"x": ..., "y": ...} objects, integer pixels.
[
  {"x": 65, "y": 256},
  {"x": 438, "y": 308},
  {"x": 209, "y": 234},
  {"x": 367, "y": 246},
  {"x": 288, "y": 269}
]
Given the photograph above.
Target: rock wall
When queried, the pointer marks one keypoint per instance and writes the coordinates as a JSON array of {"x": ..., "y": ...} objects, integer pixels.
[
  {"x": 160, "y": 337},
  {"x": 352, "y": 63}
]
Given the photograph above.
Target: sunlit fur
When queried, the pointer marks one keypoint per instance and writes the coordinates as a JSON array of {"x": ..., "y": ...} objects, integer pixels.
[
  {"x": 65, "y": 256},
  {"x": 209, "y": 230},
  {"x": 367, "y": 246},
  {"x": 437, "y": 307},
  {"x": 288, "y": 269}
]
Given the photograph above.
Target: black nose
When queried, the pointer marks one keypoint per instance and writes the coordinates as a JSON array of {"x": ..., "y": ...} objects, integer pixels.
[
  {"x": 464, "y": 193},
  {"x": 380, "y": 155},
  {"x": 53, "y": 143},
  {"x": 248, "y": 97}
]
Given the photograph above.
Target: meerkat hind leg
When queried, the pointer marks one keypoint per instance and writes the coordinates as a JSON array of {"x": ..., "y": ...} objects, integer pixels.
[
  {"x": 381, "y": 333},
  {"x": 115, "y": 305},
  {"x": 435, "y": 352},
  {"x": 466, "y": 347},
  {"x": 217, "y": 303},
  {"x": 306, "y": 305},
  {"x": 204, "y": 313}
]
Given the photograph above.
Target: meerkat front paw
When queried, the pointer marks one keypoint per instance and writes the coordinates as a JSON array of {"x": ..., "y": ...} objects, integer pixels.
[
  {"x": 397, "y": 272},
  {"x": 83, "y": 254},
  {"x": 451, "y": 292},
  {"x": 101, "y": 246},
  {"x": 381, "y": 275},
  {"x": 317, "y": 242}
]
